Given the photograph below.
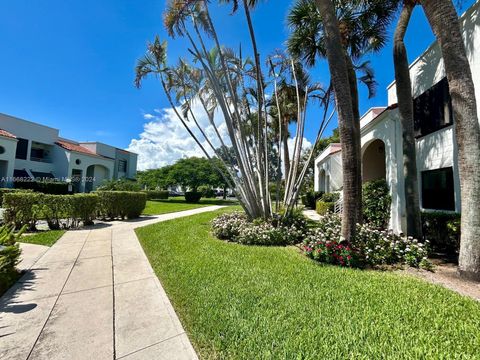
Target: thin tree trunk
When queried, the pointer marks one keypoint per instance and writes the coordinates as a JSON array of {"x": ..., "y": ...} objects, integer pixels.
[
  {"x": 286, "y": 152},
  {"x": 444, "y": 21},
  {"x": 340, "y": 81},
  {"x": 405, "y": 107}
]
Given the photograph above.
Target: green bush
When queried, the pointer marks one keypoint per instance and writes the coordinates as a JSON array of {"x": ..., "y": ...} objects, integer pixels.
[
  {"x": 119, "y": 185},
  {"x": 207, "y": 192},
  {"x": 9, "y": 256},
  {"x": 9, "y": 191},
  {"x": 193, "y": 196},
  {"x": 54, "y": 209},
  {"x": 277, "y": 231},
  {"x": 442, "y": 229},
  {"x": 121, "y": 204},
  {"x": 330, "y": 197},
  {"x": 22, "y": 208},
  {"x": 309, "y": 199},
  {"x": 156, "y": 194},
  {"x": 376, "y": 203},
  {"x": 83, "y": 207},
  {"x": 45, "y": 187},
  {"x": 323, "y": 207},
  {"x": 370, "y": 247}
]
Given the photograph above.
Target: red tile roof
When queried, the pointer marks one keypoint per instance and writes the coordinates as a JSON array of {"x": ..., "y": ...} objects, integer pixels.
[
  {"x": 74, "y": 147},
  {"x": 7, "y": 134}
]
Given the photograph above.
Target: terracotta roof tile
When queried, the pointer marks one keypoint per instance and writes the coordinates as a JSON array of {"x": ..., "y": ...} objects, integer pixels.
[
  {"x": 7, "y": 134},
  {"x": 74, "y": 147}
]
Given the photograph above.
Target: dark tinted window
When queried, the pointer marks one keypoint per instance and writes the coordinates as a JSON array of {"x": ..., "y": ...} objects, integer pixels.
[
  {"x": 437, "y": 189},
  {"x": 433, "y": 109},
  {"x": 122, "y": 165},
  {"x": 22, "y": 147}
]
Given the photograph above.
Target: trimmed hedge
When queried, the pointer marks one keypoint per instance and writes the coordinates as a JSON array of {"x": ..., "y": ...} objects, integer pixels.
[
  {"x": 156, "y": 194},
  {"x": 121, "y": 204},
  {"x": 22, "y": 208},
  {"x": 442, "y": 229},
  {"x": 9, "y": 191},
  {"x": 60, "y": 211},
  {"x": 193, "y": 196},
  {"x": 324, "y": 207}
]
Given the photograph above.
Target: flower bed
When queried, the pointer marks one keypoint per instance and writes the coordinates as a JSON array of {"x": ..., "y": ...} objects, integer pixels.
[
  {"x": 371, "y": 247},
  {"x": 277, "y": 231}
]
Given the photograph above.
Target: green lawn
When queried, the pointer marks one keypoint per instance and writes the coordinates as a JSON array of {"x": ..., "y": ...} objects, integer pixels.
[
  {"x": 239, "y": 302},
  {"x": 158, "y": 207},
  {"x": 47, "y": 238}
]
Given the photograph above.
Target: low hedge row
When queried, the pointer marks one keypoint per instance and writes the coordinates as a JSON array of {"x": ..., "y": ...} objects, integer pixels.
[
  {"x": 67, "y": 211},
  {"x": 156, "y": 194},
  {"x": 9, "y": 191}
]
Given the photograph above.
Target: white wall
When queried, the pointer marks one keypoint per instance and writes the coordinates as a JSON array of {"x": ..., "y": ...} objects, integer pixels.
[
  {"x": 10, "y": 147},
  {"x": 428, "y": 69},
  {"x": 85, "y": 162}
]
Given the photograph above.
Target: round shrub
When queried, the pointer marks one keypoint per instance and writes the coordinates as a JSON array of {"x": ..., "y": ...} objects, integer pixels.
[
  {"x": 376, "y": 201},
  {"x": 193, "y": 196}
]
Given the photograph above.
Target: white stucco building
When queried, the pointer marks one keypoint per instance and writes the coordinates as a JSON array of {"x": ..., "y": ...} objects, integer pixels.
[
  {"x": 381, "y": 135},
  {"x": 32, "y": 151}
]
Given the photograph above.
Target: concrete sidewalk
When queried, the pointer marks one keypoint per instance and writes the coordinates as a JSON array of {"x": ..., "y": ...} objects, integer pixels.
[{"x": 93, "y": 295}]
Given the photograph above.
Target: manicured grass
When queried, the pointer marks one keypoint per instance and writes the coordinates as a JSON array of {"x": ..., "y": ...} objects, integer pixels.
[
  {"x": 239, "y": 302},
  {"x": 159, "y": 207},
  {"x": 47, "y": 238}
]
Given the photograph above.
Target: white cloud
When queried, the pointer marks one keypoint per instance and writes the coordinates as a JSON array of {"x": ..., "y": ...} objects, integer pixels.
[
  {"x": 291, "y": 144},
  {"x": 164, "y": 139}
]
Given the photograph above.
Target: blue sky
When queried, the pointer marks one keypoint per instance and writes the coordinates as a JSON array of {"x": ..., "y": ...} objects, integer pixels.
[{"x": 69, "y": 64}]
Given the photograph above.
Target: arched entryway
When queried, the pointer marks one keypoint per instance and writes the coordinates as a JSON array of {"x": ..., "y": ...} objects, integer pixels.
[
  {"x": 321, "y": 180},
  {"x": 373, "y": 161},
  {"x": 96, "y": 174}
]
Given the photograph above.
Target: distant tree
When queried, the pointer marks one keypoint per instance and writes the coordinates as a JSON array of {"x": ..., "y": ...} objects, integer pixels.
[{"x": 120, "y": 185}]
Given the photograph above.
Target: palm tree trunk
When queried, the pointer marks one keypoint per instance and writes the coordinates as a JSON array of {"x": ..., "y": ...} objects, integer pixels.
[
  {"x": 444, "y": 21},
  {"x": 286, "y": 152},
  {"x": 405, "y": 106},
  {"x": 352, "y": 79},
  {"x": 340, "y": 80}
]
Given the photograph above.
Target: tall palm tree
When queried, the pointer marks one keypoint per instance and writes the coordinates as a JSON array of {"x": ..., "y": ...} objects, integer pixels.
[
  {"x": 339, "y": 73},
  {"x": 405, "y": 106},
  {"x": 362, "y": 27},
  {"x": 443, "y": 19}
]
